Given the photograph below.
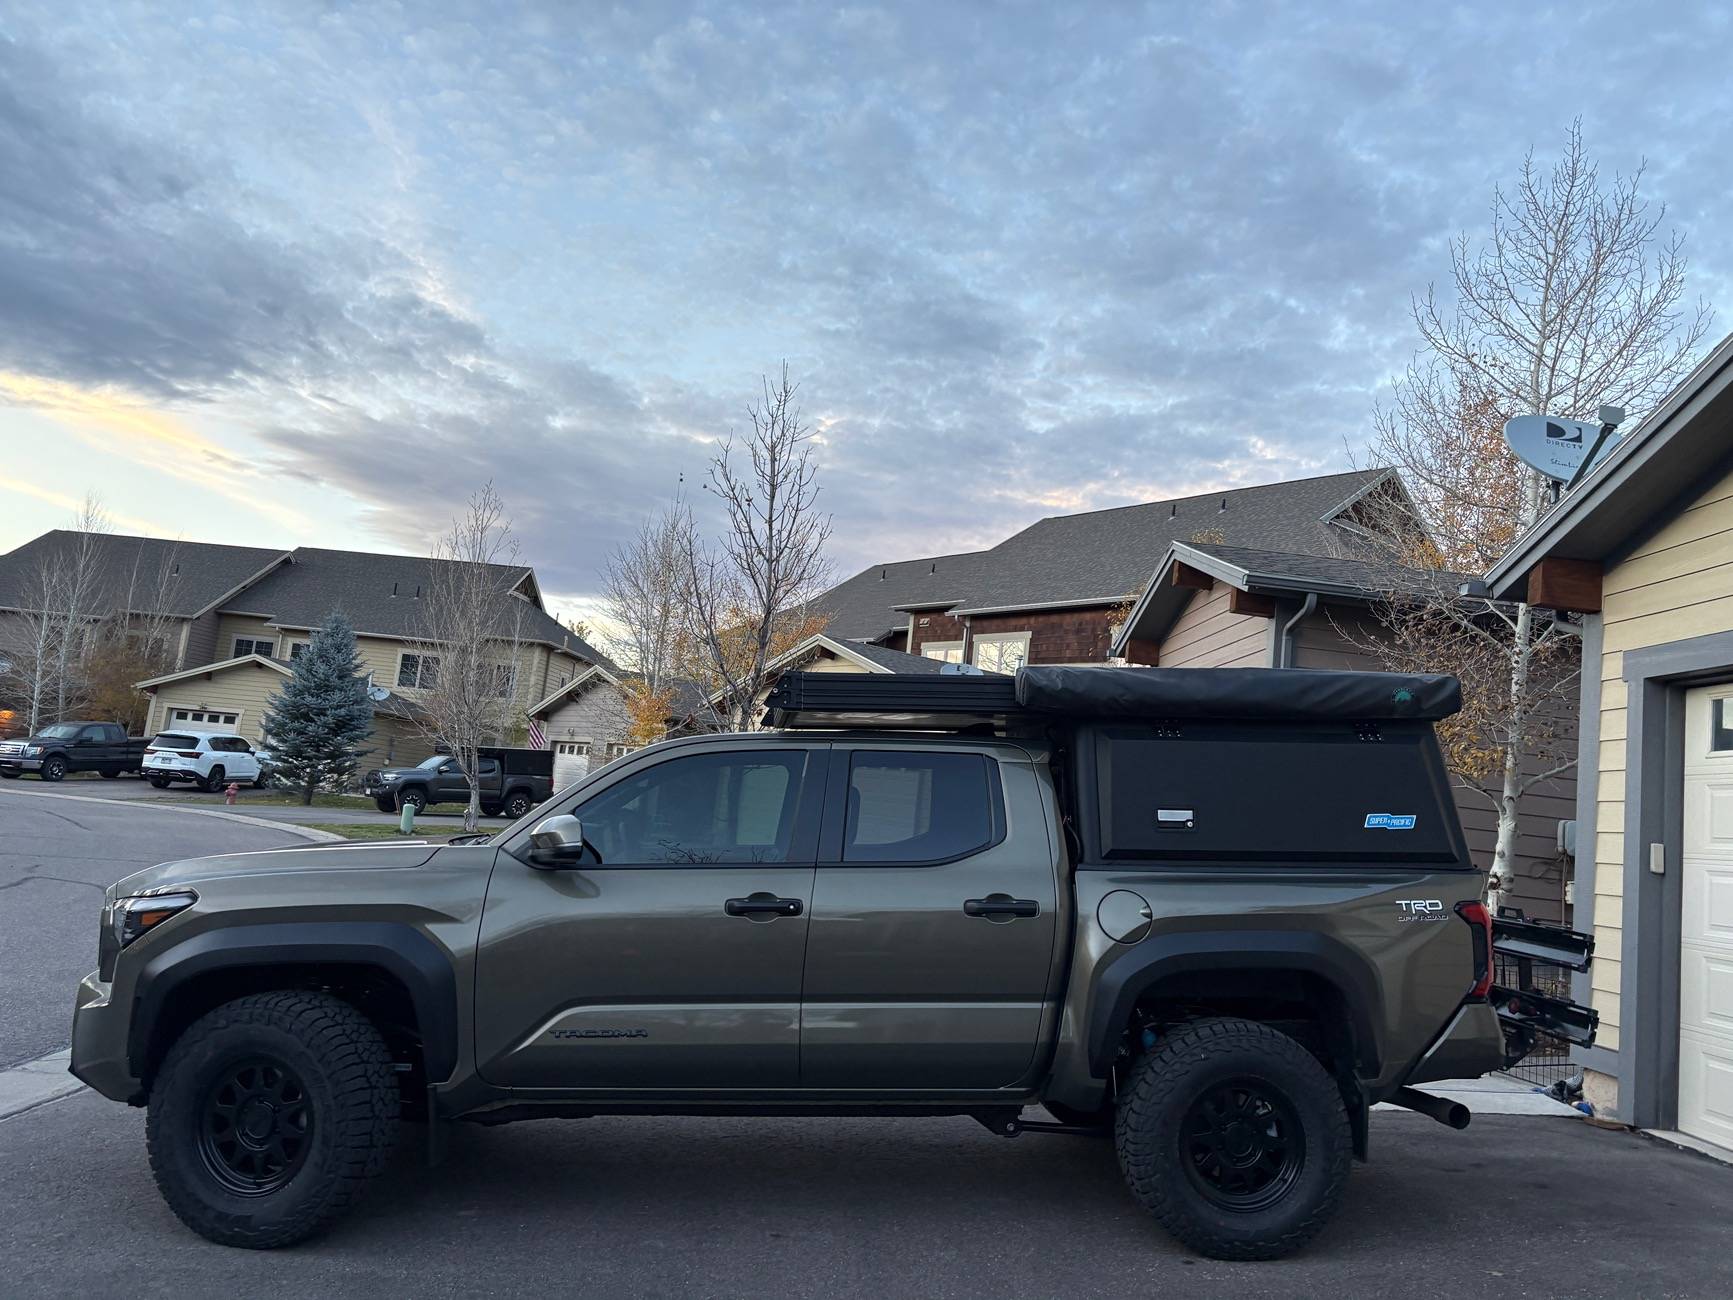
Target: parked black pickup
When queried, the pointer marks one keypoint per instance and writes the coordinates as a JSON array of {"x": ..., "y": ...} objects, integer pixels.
[
  {"x": 73, "y": 747},
  {"x": 512, "y": 781}
]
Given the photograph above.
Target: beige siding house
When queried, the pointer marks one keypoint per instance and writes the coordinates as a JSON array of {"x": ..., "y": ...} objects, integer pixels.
[{"x": 1643, "y": 550}]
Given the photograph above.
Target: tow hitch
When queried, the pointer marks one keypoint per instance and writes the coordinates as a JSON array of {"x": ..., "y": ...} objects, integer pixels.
[{"x": 1527, "y": 1011}]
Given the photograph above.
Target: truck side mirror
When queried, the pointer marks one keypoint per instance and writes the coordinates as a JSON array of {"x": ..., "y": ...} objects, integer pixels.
[{"x": 557, "y": 839}]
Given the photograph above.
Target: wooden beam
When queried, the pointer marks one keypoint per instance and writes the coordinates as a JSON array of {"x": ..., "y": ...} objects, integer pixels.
[
  {"x": 1147, "y": 653},
  {"x": 1246, "y": 602},
  {"x": 1193, "y": 579},
  {"x": 1573, "y": 585}
]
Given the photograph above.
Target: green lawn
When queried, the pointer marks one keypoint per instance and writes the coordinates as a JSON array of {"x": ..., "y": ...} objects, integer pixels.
[{"x": 380, "y": 831}]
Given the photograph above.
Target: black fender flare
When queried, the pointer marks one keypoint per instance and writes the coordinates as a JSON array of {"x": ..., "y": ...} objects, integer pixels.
[
  {"x": 1140, "y": 967},
  {"x": 413, "y": 959}
]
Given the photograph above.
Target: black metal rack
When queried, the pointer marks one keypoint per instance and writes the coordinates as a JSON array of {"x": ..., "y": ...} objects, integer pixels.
[{"x": 930, "y": 702}]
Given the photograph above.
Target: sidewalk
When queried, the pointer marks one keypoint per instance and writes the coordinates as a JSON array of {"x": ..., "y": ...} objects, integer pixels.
[{"x": 1495, "y": 1094}]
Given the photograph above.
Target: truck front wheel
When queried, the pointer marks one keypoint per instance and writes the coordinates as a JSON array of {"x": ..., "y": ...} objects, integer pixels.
[
  {"x": 1235, "y": 1138},
  {"x": 53, "y": 768},
  {"x": 269, "y": 1116}
]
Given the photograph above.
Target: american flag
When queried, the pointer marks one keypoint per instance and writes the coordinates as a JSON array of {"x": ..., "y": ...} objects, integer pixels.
[{"x": 537, "y": 740}]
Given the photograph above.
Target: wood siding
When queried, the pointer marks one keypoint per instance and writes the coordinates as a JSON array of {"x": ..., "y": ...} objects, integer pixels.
[
  {"x": 1677, "y": 584},
  {"x": 1210, "y": 635}
]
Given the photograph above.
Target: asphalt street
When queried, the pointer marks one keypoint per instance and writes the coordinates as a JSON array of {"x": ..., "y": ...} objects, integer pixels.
[
  {"x": 248, "y": 802},
  {"x": 872, "y": 1208},
  {"x": 56, "y": 857}
]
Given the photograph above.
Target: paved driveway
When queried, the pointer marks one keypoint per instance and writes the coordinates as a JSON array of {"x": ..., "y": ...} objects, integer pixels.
[{"x": 873, "y": 1208}]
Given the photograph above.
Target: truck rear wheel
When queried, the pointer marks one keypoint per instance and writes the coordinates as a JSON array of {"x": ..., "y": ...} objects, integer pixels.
[
  {"x": 269, "y": 1116},
  {"x": 1235, "y": 1138},
  {"x": 518, "y": 803}
]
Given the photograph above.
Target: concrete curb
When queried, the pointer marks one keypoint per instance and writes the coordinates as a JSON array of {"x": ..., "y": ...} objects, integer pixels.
[
  {"x": 291, "y": 828},
  {"x": 36, "y": 1083}
]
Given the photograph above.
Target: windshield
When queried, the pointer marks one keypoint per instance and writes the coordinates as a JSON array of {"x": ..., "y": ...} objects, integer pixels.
[
  {"x": 428, "y": 764},
  {"x": 61, "y": 731}
]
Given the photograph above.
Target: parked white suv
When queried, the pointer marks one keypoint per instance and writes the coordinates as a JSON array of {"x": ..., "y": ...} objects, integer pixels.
[{"x": 207, "y": 759}]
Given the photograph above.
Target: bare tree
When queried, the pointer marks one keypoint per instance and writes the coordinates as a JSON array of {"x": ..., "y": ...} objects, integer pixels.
[
  {"x": 1574, "y": 300},
  {"x": 50, "y": 639},
  {"x": 643, "y": 599},
  {"x": 134, "y": 640},
  {"x": 744, "y": 594},
  {"x": 467, "y": 655}
]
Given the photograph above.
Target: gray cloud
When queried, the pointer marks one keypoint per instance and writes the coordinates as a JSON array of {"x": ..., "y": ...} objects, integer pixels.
[{"x": 1023, "y": 259}]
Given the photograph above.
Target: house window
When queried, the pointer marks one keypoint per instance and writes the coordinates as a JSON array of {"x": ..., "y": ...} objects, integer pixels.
[
  {"x": 504, "y": 680},
  {"x": 297, "y": 650},
  {"x": 949, "y": 652},
  {"x": 1720, "y": 727},
  {"x": 248, "y": 646},
  {"x": 419, "y": 672},
  {"x": 1002, "y": 652}
]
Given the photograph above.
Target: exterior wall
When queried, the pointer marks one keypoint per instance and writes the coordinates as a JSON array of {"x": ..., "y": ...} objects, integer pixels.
[
  {"x": 935, "y": 626},
  {"x": 231, "y": 626},
  {"x": 201, "y": 641},
  {"x": 598, "y": 714},
  {"x": 1336, "y": 637},
  {"x": 1057, "y": 636},
  {"x": 1677, "y": 584},
  {"x": 394, "y": 743},
  {"x": 1210, "y": 635},
  {"x": 244, "y": 690}
]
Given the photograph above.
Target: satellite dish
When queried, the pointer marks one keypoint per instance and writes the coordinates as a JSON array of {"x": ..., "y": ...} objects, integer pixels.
[
  {"x": 378, "y": 694},
  {"x": 1557, "y": 448}
]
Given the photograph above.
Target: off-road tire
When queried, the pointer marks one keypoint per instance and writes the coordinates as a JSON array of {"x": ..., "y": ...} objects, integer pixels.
[
  {"x": 518, "y": 804},
  {"x": 1156, "y": 1155},
  {"x": 345, "y": 1074},
  {"x": 11, "y": 776},
  {"x": 413, "y": 799},
  {"x": 490, "y": 810},
  {"x": 158, "y": 782},
  {"x": 213, "y": 781},
  {"x": 109, "y": 773},
  {"x": 53, "y": 768}
]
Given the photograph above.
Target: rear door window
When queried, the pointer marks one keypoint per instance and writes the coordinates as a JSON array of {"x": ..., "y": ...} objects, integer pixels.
[{"x": 920, "y": 807}]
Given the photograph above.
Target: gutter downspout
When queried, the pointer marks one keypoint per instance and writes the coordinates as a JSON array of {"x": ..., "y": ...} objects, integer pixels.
[{"x": 1285, "y": 644}]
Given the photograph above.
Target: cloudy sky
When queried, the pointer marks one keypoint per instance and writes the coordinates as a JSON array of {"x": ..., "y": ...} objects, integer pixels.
[{"x": 306, "y": 273}]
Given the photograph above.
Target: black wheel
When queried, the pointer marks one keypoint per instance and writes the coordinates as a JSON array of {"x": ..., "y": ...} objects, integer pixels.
[
  {"x": 411, "y": 799},
  {"x": 261, "y": 780},
  {"x": 159, "y": 782},
  {"x": 269, "y": 1116},
  {"x": 490, "y": 810},
  {"x": 109, "y": 774},
  {"x": 54, "y": 768},
  {"x": 1235, "y": 1137},
  {"x": 384, "y": 805},
  {"x": 214, "y": 781},
  {"x": 518, "y": 804},
  {"x": 11, "y": 776}
]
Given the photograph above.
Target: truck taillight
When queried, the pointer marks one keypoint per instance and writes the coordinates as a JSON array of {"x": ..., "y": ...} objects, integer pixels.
[{"x": 1481, "y": 919}]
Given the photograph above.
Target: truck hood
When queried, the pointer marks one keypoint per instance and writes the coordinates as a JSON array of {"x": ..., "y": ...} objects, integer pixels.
[{"x": 270, "y": 862}]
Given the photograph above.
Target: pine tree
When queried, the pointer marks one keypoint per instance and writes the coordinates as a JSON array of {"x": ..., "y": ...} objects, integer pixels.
[{"x": 319, "y": 721}]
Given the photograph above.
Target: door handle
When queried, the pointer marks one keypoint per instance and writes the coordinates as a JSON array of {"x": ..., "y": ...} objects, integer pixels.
[
  {"x": 1000, "y": 905},
  {"x": 762, "y": 905}
]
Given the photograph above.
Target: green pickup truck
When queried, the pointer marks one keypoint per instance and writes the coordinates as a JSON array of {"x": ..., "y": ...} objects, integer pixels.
[{"x": 1213, "y": 914}]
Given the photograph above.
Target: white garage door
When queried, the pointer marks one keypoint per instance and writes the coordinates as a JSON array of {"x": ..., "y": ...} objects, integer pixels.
[
  {"x": 204, "y": 720},
  {"x": 571, "y": 762},
  {"x": 1706, "y": 931}
]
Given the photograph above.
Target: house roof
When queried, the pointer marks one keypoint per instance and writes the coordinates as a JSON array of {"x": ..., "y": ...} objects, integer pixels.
[
  {"x": 192, "y": 577},
  {"x": 592, "y": 675},
  {"x": 384, "y": 595},
  {"x": 261, "y": 661},
  {"x": 1100, "y": 557},
  {"x": 1650, "y": 472},
  {"x": 1269, "y": 572}
]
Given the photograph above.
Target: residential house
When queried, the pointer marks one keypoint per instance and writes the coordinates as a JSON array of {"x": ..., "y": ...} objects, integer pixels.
[
  {"x": 237, "y": 616},
  {"x": 1286, "y": 574},
  {"x": 1642, "y": 549}
]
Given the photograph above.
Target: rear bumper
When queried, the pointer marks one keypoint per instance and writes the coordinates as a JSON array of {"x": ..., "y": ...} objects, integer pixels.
[
  {"x": 99, "y": 1038},
  {"x": 1471, "y": 1045}
]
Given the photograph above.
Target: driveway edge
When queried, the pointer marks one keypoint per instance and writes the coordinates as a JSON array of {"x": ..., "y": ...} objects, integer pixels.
[
  {"x": 289, "y": 828},
  {"x": 36, "y": 1083}
]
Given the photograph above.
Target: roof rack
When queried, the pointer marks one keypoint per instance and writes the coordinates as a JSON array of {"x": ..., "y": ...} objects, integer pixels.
[{"x": 947, "y": 702}]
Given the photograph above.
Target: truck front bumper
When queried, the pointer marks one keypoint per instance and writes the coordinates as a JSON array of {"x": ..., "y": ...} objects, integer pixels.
[
  {"x": 99, "y": 1043},
  {"x": 20, "y": 764}
]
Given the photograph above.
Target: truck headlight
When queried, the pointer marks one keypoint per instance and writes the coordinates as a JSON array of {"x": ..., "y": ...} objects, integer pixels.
[
  {"x": 30, "y": 751},
  {"x": 131, "y": 917}
]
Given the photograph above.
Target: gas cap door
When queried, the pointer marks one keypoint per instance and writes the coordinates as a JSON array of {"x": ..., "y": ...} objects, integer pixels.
[{"x": 1124, "y": 916}]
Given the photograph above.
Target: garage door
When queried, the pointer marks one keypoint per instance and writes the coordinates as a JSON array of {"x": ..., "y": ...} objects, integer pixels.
[
  {"x": 571, "y": 762},
  {"x": 1706, "y": 930},
  {"x": 204, "y": 720}
]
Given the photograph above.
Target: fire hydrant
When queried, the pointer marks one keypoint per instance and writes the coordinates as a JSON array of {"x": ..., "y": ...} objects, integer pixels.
[{"x": 229, "y": 794}]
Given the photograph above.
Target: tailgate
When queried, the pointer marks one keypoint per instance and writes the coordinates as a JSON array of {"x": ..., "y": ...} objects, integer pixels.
[{"x": 1528, "y": 1003}]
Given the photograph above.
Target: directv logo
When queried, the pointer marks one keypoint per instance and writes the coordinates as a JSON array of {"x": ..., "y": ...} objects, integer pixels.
[
  {"x": 1559, "y": 433},
  {"x": 1390, "y": 821}
]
